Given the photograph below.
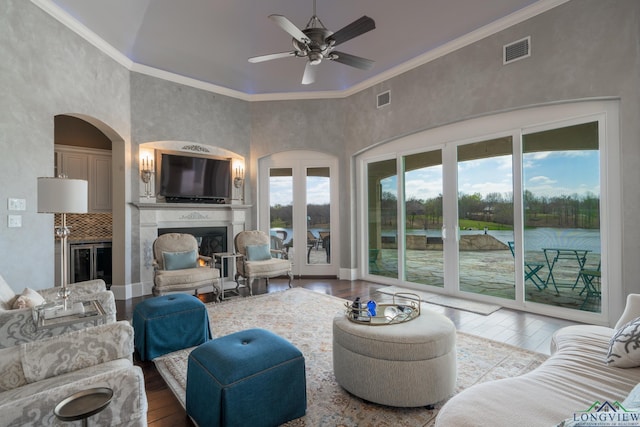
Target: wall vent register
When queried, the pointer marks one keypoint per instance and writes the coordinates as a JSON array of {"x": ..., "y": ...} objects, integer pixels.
[{"x": 517, "y": 50}]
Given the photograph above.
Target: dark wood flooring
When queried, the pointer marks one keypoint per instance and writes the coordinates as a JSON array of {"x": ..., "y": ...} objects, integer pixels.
[{"x": 524, "y": 330}]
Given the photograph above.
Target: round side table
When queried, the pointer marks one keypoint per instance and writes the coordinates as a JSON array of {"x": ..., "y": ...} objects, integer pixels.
[{"x": 83, "y": 404}]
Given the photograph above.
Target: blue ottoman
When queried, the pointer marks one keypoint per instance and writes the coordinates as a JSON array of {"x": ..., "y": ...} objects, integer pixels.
[
  {"x": 249, "y": 378},
  {"x": 169, "y": 323}
]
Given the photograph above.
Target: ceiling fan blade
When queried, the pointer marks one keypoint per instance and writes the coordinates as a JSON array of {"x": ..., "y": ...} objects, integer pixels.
[
  {"x": 271, "y": 56},
  {"x": 351, "y": 60},
  {"x": 356, "y": 28},
  {"x": 290, "y": 28},
  {"x": 309, "y": 73}
]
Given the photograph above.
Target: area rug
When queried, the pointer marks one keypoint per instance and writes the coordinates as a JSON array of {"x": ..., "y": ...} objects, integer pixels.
[
  {"x": 305, "y": 318},
  {"x": 446, "y": 301}
]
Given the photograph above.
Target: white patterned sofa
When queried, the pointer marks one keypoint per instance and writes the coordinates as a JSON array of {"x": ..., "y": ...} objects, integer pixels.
[
  {"x": 579, "y": 373},
  {"x": 35, "y": 376},
  {"x": 17, "y": 325}
]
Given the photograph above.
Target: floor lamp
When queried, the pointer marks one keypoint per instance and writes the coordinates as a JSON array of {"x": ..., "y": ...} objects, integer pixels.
[{"x": 62, "y": 196}]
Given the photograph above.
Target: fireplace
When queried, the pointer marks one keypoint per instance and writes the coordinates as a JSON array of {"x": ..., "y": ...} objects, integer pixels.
[
  {"x": 214, "y": 226},
  {"x": 210, "y": 239}
]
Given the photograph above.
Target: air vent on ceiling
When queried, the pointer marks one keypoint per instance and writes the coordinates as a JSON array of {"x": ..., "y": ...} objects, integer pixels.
[
  {"x": 517, "y": 50},
  {"x": 384, "y": 99}
]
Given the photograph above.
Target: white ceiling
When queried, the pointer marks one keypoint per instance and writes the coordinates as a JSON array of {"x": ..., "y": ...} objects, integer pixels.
[{"x": 210, "y": 41}]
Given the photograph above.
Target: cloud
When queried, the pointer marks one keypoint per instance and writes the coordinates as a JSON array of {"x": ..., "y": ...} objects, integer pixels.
[{"x": 541, "y": 180}]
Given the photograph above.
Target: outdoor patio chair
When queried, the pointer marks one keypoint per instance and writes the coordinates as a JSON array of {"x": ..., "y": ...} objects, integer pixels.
[
  {"x": 531, "y": 270},
  {"x": 591, "y": 279}
]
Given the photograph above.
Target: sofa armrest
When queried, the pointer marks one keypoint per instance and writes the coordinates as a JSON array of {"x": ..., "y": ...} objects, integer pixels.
[
  {"x": 18, "y": 326},
  {"x": 76, "y": 350},
  {"x": 78, "y": 289}
]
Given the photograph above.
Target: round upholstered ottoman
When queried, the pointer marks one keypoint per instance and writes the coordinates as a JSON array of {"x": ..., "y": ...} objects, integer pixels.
[{"x": 406, "y": 364}]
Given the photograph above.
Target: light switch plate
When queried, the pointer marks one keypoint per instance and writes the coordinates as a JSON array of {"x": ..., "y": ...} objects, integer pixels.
[
  {"x": 14, "y": 221},
  {"x": 17, "y": 204}
]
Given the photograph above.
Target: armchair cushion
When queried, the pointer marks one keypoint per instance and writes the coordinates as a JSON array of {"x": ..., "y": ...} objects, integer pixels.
[
  {"x": 180, "y": 260},
  {"x": 28, "y": 298},
  {"x": 258, "y": 252}
]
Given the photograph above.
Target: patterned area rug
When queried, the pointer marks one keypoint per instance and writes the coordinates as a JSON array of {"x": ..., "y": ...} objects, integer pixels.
[
  {"x": 305, "y": 318},
  {"x": 446, "y": 301}
]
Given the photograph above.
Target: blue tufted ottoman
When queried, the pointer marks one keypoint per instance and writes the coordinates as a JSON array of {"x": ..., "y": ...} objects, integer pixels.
[
  {"x": 249, "y": 378},
  {"x": 169, "y": 323}
]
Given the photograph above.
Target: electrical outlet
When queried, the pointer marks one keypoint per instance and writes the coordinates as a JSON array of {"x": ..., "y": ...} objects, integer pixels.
[
  {"x": 17, "y": 204},
  {"x": 14, "y": 221}
]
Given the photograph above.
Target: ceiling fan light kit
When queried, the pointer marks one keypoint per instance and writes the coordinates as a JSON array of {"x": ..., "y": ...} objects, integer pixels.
[{"x": 316, "y": 43}]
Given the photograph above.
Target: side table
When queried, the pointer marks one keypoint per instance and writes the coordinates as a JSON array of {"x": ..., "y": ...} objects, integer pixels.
[
  {"x": 93, "y": 311},
  {"x": 83, "y": 404},
  {"x": 225, "y": 271}
]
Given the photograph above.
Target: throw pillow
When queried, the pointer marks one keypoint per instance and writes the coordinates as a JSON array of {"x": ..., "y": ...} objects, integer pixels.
[
  {"x": 7, "y": 296},
  {"x": 631, "y": 311},
  {"x": 258, "y": 252},
  {"x": 624, "y": 347},
  {"x": 632, "y": 401},
  {"x": 28, "y": 299},
  {"x": 180, "y": 260}
]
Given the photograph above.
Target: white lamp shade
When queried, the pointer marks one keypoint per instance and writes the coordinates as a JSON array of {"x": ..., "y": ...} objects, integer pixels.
[{"x": 62, "y": 195}]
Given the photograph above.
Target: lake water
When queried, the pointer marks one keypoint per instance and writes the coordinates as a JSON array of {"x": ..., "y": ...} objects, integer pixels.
[
  {"x": 535, "y": 238},
  {"x": 538, "y": 238}
]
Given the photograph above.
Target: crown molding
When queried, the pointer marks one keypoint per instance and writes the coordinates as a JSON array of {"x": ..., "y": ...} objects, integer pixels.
[{"x": 472, "y": 37}]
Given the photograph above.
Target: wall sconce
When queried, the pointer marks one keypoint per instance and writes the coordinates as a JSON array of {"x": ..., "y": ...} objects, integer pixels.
[
  {"x": 238, "y": 177},
  {"x": 146, "y": 172}
]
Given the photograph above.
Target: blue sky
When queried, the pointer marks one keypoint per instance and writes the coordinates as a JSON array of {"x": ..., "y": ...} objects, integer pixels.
[
  {"x": 545, "y": 174},
  {"x": 281, "y": 191}
]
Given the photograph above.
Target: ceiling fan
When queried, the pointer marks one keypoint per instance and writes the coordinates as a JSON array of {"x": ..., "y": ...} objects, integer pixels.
[{"x": 316, "y": 43}]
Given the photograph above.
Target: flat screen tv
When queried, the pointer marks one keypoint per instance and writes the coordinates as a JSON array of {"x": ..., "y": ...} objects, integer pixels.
[{"x": 188, "y": 178}]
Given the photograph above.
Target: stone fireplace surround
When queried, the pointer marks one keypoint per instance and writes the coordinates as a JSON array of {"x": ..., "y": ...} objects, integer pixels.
[{"x": 183, "y": 216}]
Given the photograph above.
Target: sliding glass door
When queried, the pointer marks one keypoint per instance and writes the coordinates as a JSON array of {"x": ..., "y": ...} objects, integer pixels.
[
  {"x": 382, "y": 191},
  {"x": 485, "y": 218},
  {"x": 561, "y": 189},
  {"x": 424, "y": 254},
  {"x": 514, "y": 218}
]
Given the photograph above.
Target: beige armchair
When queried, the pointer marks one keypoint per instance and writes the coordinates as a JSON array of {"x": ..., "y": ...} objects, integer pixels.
[
  {"x": 177, "y": 265},
  {"x": 258, "y": 261}
]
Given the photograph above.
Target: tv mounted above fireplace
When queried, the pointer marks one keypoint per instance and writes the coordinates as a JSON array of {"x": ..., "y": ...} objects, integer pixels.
[{"x": 185, "y": 178}]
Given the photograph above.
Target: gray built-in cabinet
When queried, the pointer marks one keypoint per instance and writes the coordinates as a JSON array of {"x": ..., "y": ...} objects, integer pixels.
[{"x": 89, "y": 164}]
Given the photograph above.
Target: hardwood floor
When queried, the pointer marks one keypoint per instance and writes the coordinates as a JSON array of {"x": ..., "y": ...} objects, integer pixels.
[{"x": 524, "y": 330}]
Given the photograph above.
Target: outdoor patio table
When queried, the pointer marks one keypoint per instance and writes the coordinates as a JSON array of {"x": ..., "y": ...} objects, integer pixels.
[{"x": 552, "y": 255}]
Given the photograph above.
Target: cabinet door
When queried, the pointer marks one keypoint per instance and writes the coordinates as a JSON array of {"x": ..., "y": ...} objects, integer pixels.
[
  {"x": 75, "y": 165},
  {"x": 81, "y": 263},
  {"x": 102, "y": 264},
  {"x": 100, "y": 182}
]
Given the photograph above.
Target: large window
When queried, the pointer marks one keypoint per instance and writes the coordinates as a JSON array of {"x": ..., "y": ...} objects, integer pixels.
[{"x": 515, "y": 217}]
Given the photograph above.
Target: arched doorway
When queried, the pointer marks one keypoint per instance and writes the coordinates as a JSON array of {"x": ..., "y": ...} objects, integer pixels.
[{"x": 108, "y": 211}]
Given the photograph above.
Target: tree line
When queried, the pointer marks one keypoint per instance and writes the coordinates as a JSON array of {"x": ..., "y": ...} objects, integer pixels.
[
  {"x": 565, "y": 211},
  {"x": 317, "y": 215}
]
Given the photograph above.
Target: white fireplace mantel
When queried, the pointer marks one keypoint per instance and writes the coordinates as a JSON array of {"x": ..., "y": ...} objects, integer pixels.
[{"x": 154, "y": 216}]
